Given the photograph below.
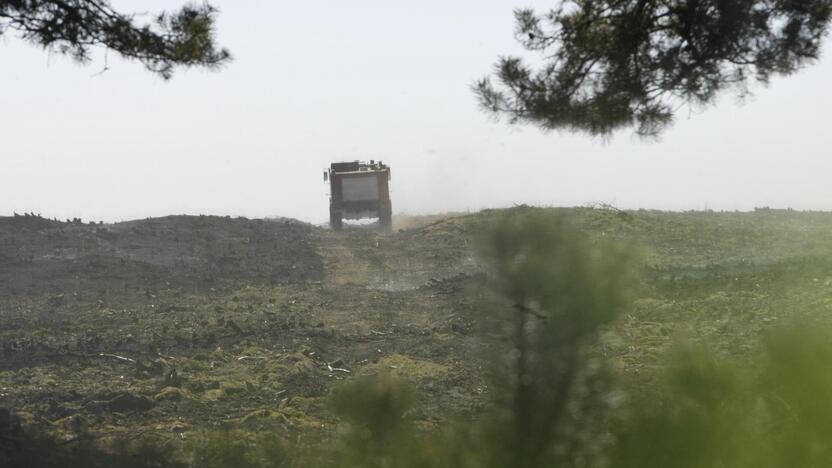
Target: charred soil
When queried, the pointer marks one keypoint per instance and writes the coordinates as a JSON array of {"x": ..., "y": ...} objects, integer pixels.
[{"x": 169, "y": 328}]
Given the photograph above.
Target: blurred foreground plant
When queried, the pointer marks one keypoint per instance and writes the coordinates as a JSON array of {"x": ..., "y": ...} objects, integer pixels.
[
  {"x": 716, "y": 413},
  {"x": 562, "y": 288}
]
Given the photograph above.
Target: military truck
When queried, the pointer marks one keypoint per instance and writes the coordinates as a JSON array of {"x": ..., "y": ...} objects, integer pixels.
[{"x": 359, "y": 189}]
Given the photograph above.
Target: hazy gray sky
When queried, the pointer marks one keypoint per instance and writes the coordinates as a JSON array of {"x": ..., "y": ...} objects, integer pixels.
[{"x": 320, "y": 81}]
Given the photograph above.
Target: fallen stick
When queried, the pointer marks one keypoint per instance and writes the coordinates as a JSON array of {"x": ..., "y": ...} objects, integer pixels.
[
  {"x": 337, "y": 369},
  {"x": 77, "y": 439},
  {"x": 88, "y": 356},
  {"x": 249, "y": 358},
  {"x": 116, "y": 356}
]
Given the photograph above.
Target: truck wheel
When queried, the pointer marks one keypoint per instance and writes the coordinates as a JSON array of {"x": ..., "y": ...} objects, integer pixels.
[
  {"x": 385, "y": 219},
  {"x": 335, "y": 221}
]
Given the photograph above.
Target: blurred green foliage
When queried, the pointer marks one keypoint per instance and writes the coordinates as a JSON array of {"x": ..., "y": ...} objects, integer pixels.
[
  {"x": 561, "y": 289},
  {"x": 714, "y": 413}
]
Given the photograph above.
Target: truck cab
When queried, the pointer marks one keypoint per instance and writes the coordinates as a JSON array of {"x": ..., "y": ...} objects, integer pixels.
[{"x": 359, "y": 189}]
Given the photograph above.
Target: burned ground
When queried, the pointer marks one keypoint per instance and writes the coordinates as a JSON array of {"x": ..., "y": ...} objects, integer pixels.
[
  {"x": 170, "y": 328},
  {"x": 185, "y": 324},
  {"x": 192, "y": 253}
]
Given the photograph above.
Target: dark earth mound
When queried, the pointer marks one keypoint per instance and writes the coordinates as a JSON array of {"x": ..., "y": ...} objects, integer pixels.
[{"x": 38, "y": 255}]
